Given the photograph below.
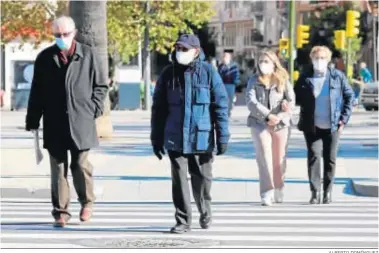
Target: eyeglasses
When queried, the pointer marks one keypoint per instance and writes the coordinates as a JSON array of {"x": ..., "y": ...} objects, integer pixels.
[
  {"x": 181, "y": 49},
  {"x": 65, "y": 35}
]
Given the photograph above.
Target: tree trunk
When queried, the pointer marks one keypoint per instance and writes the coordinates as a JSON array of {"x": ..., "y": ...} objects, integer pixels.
[
  {"x": 146, "y": 62},
  {"x": 90, "y": 18}
]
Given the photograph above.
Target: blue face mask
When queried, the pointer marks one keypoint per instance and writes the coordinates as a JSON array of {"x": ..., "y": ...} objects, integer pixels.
[{"x": 63, "y": 44}]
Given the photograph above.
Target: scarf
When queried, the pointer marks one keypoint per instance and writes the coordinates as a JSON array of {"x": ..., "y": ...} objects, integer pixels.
[{"x": 65, "y": 55}]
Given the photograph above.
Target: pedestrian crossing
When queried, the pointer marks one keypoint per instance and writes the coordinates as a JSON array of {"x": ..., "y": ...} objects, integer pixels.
[{"x": 348, "y": 224}]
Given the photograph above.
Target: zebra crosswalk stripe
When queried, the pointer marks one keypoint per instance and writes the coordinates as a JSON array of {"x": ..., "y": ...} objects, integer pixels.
[{"x": 340, "y": 224}]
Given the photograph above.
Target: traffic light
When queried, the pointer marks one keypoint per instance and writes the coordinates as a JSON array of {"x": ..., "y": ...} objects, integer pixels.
[
  {"x": 284, "y": 47},
  {"x": 340, "y": 39},
  {"x": 296, "y": 75},
  {"x": 352, "y": 23},
  {"x": 302, "y": 33}
]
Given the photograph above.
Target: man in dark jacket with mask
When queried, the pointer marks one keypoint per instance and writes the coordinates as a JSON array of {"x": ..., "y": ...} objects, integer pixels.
[
  {"x": 230, "y": 74},
  {"x": 68, "y": 90},
  {"x": 190, "y": 104}
]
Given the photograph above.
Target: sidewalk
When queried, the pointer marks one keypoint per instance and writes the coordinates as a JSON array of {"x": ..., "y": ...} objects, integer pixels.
[{"x": 125, "y": 166}]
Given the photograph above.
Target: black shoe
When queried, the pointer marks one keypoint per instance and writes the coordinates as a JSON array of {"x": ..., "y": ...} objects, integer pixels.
[
  {"x": 327, "y": 198},
  {"x": 315, "y": 199},
  {"x": 205, "y": 222},
  {"x": 180, "y": 229}
]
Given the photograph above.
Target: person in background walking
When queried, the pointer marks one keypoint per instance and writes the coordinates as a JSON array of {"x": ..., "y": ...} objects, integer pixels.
[
  {"x": 325, "y": 99},
  {"x": 364, "y": 76},
  {"x": 365, "y": 73},
  {"x": 270, "y": 99},
  {"x": 68, "y": 91},
  {"x": 190, "y": 107},
  {"x": 230, "y": 75}
]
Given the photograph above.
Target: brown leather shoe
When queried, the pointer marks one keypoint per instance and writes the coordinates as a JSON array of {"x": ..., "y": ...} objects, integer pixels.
[
  {"x": 85, "y": 214},
  {"x": 61, "y": 221}
]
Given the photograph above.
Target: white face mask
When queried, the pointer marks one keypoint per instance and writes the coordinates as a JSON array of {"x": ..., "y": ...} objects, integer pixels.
[
  {"x": 185, "y": 58},
  {"x": 266, "y": 68},
  {"x": 320, "y": 65}
]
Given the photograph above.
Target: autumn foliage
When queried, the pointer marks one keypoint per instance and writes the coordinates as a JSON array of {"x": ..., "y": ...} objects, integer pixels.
[
  {"x": 126, "y": 20},
  {"x": 29, "y": 20}
]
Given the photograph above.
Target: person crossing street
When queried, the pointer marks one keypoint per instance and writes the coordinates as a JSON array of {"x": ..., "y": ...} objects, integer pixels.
[{"x": 190, "y": 107}]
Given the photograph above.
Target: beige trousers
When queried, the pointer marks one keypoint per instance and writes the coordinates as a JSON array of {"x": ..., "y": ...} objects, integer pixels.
[
  {"x": 81, "y": 170},
  {"x": 270, "y": 149}
]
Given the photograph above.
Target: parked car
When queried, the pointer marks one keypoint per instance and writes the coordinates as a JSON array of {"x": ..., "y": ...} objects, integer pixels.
[{"x": 369, "y": 96}]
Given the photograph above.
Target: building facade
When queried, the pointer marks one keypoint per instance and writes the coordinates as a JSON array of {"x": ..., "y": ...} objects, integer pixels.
[{"x": 248, "y": 26}]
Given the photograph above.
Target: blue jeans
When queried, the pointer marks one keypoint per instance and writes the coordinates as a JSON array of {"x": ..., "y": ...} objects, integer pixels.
[
  {"x": 357, "y": 93},
  {"x": 231, "y": 90}
]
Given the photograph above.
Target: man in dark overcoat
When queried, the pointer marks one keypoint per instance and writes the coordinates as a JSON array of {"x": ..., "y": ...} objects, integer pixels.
[{"x": 68, "y": 91}]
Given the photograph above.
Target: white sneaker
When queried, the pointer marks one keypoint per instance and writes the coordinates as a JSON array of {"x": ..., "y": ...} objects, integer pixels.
[
  {"x": 267, "y": 198},
  {"x": 278, "y": 195},
  {"x": 266, "y": 201}
]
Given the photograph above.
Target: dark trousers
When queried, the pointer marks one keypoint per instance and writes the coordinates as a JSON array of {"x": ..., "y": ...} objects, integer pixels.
[
  {"x": 231, "y": 91},
  {"x": 200, "y": 169},
  {"x": 81, "y": 170},
  {"x": 322, "y": 143}
]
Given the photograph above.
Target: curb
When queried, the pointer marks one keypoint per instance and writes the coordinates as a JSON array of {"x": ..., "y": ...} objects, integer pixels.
[{"x": 366, "y": 188}]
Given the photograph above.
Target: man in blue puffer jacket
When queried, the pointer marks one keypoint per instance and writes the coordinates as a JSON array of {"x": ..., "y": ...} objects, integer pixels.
[{"x": 190, "y": 105}]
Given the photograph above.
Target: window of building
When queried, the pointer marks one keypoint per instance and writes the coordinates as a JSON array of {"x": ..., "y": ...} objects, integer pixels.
[
  {"x": 247, "y": 33},
  {"x": 230, "y": 34},
  {"x": 282, "y": 4},
  {"x": 256, "y": 36},
  {"x": 260, "y": 26},
  {"x": 231, "y": 4}
]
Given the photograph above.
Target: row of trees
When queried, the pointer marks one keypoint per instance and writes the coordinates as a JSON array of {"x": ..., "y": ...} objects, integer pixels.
[
  {"x": 126, "y": 22},
  {"x": 117, "y": 28}
]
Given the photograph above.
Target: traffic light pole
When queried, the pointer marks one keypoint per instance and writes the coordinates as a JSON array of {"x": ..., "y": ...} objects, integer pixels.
[
  {"x": 348, "y": 58},
  {"x": 292, "y": 38},
  {"x": 375, "y": 40}
]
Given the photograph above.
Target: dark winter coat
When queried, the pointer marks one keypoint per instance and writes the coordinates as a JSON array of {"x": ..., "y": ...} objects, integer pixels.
[
  {"x": 229, "y": 74},
  {"x": 186, "y": 116},
  {"x": 69, "y": 100},
  {"x": 341, "y": 99}
]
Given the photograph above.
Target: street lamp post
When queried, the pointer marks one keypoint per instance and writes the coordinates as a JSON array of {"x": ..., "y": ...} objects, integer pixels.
[
  {"x": 146, "y": 56},
  {"x": 292, "y": 38},
  {"x": 375, "y": 40}
]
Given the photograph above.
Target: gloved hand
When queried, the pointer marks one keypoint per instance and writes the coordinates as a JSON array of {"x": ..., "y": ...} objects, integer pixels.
[
  {"x": 221, "y": 148},
  {"x": 31, "y": 129},
  {"x": 158, "y": 151}
]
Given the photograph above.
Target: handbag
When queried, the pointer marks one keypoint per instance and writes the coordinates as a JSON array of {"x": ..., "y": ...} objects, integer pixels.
[
  {"x": 279, "y": 126},
  {"x": 293, "y": 119}
]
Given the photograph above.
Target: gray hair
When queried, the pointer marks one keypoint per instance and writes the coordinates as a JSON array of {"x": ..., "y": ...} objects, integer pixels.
[{"x": 64, "y": 21}]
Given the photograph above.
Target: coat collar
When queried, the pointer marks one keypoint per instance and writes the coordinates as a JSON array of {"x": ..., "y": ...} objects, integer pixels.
[
  {"x": 259, "y": 83},
  {"x": 78, "y": 52}
]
